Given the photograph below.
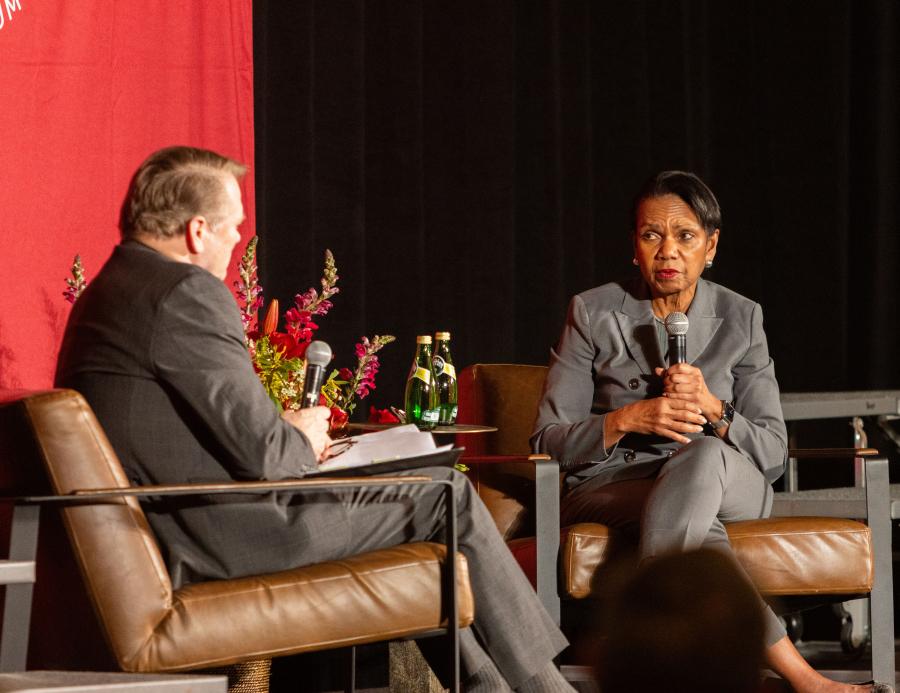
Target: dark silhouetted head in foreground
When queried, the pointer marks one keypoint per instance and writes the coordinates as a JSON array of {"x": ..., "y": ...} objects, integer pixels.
[{"x": 684, "y": 622}]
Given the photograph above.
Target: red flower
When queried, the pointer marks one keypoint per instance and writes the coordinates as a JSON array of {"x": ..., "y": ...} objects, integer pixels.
[
  {"x": 300, "y": 324},
  {"x": 382, "y": 416},
  {"x": 345, "y": 374},
  {"x": 338, "y": 418},
  {"x": 288, "y": 344}
]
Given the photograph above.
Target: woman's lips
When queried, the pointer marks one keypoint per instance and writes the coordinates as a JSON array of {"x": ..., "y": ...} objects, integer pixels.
[{"x": 667, "y": 273}]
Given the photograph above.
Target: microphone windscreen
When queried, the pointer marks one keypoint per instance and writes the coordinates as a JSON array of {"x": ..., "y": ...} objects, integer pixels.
[
  {"x": 318, "y": 354},
  {"x": 676, "y": 323}
]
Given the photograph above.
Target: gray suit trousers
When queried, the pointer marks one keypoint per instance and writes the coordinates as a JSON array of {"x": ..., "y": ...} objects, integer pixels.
[
  {"x": 510, "y": 623},
  {"x": 682, "y": 504}
]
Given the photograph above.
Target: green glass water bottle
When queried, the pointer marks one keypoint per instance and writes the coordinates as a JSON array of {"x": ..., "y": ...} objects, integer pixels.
[
  {"x": 444, "y": 379},
  {"x": 420, "y": 397}
]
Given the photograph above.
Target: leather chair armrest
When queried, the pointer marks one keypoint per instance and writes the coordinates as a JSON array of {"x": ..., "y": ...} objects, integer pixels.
[
  {"x": 831, "y": 453},
  {"x": 286, "y": 485},
  {"x": 499, "y": 459}
]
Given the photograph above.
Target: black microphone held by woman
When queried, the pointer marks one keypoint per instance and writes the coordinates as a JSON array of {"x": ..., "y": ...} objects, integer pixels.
[{"x": 676, "y": 327}]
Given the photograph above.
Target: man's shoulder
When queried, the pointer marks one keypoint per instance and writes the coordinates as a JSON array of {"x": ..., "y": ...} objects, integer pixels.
[
  {"x": 145, "y": 274},
  {"x": 136, "y": 256},
  {"x": 139, "y": 292}
]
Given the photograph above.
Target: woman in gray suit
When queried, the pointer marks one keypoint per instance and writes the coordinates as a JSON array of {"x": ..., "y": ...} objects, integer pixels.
[{"x": 670, "y": 454}]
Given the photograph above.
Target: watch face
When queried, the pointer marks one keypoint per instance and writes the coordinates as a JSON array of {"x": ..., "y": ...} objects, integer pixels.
[{"x": 728, "y": 414}]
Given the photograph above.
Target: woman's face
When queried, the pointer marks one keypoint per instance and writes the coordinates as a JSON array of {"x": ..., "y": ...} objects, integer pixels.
[{"x": 671, "y": 246}]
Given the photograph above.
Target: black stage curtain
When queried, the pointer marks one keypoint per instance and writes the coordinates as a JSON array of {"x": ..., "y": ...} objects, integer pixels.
[{"x": 471, "y": 165}]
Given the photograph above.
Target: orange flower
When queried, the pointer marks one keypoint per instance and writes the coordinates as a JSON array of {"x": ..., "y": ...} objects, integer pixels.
[{"x": 271, "y": 321}]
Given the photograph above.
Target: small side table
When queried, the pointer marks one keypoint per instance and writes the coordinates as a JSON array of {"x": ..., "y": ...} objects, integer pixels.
[{"x": 452, "y": 429}]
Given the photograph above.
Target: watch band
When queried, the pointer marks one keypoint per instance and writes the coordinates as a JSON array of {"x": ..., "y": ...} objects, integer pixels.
[{"x": 726, "y": 418}]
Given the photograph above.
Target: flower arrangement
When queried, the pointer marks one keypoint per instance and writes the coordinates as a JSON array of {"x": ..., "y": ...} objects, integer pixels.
[
  {"x": 278, "y": 357},
  {"x": 76, "y": 284}
]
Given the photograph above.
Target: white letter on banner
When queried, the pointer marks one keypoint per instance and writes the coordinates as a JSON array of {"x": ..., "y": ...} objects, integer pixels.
[
  {"x": 2, "y": 20},
  {"x": 12, "y": 5}
]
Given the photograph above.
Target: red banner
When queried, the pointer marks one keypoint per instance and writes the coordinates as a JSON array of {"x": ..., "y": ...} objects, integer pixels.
[{"x": 88, "y": 89}]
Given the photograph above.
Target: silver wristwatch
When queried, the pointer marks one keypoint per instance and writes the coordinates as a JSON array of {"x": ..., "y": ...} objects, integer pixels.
[{"x": 726, "y": 418}]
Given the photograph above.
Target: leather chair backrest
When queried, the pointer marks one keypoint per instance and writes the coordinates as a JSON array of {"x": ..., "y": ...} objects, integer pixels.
[
  {"x": 505, "y": 396},
  {"x": 113, "y": 544}
]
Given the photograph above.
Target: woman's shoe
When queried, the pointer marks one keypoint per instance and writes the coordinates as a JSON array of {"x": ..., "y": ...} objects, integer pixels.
[{"x": 876, "y": 687}]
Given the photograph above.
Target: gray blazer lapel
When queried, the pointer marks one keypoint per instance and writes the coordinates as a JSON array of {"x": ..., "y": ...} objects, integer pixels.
[
  {"x": 703, "y": 322},
  {"x": 639, "y": 331}
]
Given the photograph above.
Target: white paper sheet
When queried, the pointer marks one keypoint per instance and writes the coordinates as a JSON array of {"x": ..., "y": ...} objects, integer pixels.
[{"x": 381, "y": 446}]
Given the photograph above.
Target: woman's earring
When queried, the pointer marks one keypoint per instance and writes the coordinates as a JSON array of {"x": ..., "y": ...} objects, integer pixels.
[
  {"x": 708, "y": 264},
  {"x": 634, "y": 261}
]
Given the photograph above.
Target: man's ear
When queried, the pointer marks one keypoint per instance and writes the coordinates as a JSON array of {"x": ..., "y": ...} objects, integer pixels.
[{"x": 195, "y": 232}]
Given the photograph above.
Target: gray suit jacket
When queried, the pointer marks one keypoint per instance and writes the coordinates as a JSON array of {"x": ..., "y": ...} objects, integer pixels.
[
  {"x": 605, "y": 360},
  {"x": 156, "y": 347}
]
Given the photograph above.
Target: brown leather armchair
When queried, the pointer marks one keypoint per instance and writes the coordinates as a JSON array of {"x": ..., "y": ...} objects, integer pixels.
[
  {"x": 51, "y": 443},
  {"x": 805, "y": 558}
]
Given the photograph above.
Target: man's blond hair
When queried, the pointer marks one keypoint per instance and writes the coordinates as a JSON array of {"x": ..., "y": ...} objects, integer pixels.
[{"x": 174, "y": 185}]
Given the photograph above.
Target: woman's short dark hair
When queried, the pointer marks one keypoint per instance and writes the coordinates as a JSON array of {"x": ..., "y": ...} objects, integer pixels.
[
  {"x": 693, "y": 191},
  {"x": 172, "y": 186}
]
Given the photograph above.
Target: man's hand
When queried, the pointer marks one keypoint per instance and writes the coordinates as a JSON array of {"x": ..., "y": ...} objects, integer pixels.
[
  {"x": 660, "y": 416},
  {"x": 313, "y": 423}
]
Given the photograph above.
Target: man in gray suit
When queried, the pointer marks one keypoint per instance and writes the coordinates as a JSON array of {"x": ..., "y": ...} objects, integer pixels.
[{"x": 155, "y": 344}]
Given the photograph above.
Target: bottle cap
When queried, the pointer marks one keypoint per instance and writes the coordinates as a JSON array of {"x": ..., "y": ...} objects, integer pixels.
[
  {"x": 442, "y": 335},
  {"x": 423, "y": 339}
]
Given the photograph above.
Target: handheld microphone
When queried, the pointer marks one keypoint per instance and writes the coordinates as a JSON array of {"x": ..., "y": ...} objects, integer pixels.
[
  {"x": 318, "y": 356},
  {"x": 677, "y": 327}
]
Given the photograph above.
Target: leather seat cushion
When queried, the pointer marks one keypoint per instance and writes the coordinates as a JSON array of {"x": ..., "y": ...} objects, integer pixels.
[
  {"x": 783, "y": 556},
  {"x": 805, "y": 555},
  {"x": 305, "y": 609}
]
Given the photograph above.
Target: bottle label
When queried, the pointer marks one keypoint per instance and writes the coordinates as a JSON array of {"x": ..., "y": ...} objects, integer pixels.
[
  {"x": 430, "y": 416},
  {"x": 447, "y": 414},
  {"x": 442, "y": 367},
  {"x": 422, "y": 374}
]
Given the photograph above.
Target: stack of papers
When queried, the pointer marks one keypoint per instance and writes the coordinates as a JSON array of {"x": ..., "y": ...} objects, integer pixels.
[{"x": 389, "y": 445}]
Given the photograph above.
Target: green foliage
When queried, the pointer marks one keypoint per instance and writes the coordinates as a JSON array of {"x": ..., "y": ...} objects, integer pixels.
[{"x": 282, "y": 378}]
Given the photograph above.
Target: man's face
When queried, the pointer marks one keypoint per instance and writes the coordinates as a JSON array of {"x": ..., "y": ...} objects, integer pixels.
[{"x": 220, "y": 241}]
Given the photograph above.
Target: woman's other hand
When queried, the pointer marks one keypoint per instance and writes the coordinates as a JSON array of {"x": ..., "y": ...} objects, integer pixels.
[
  {"x": 685, "y": 382},
  {"x": 663, "y": 416}
]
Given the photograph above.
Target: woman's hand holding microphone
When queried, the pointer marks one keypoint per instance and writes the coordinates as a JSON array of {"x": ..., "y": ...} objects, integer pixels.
[{"x": 686, "y": 405}]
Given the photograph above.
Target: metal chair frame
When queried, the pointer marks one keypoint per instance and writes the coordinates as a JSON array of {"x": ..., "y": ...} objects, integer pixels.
[{"x": 872, "y": 498}]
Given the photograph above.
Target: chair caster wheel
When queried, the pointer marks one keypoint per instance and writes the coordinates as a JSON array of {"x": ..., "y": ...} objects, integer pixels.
[
  {"x": 793, "y": 624},
  {"x": 853, "y": 646}
]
